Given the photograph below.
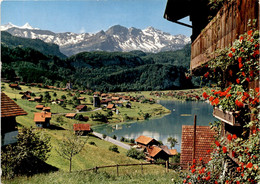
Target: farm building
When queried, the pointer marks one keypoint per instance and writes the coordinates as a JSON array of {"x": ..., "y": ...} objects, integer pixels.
[
  {"x": 70, "y": 115},
  {"x": 42, "y": 119},
  {"x": 81, "y": 129},
  {"x": 144, "y": 141},
  {"x": 81, "y": 108},
  {"x": 9, "y": 111}
]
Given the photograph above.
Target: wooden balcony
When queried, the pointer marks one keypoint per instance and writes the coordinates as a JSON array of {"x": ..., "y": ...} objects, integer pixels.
[{"x": 230, "y": 22}]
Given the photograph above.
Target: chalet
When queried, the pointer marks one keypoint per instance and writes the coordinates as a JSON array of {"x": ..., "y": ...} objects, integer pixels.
[
  {"x": 81, "y": 129},
  {"x": 38, "y": 99},
  {"x": 26, "y": 97},
  {"x": 115, "y": 98},
  {"x": 22, "y": 83},
  {"x": 104, "y": 95},
  {"x": 229, "y": 22},
  {"x": 144, "y": 141},
  {"x": 200, "y": 148},
  {"x": 42, "y": 119},
  {"x": 70, "y": 115},
  {"x": 155, "y": 152},
  {"x": 47, "y": 109},
  {"x": 119, "y": 103},
  {"x": 9, "y": 111},
  {"x": 81, "y": 108},
  {"x": 14, "y": 86},
  {"x": 39, "y": 107},
  {"x": 110, "y": 106},
  {"x": 31, "y": 100}
]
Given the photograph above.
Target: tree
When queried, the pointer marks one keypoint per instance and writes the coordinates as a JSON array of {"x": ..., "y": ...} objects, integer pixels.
[
  {"x": 25, "y": 156},
  {"x": 172, "y": 141},
  {"x": 71, "y": 145},
  {"x": 63, "y": 97}
]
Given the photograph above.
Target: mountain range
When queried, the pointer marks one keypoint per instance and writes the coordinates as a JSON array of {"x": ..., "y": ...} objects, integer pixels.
[{"x": 116, "y": 38}]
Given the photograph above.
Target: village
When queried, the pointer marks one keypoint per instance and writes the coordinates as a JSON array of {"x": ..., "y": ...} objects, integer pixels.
[{"x": 48, "y": 122}]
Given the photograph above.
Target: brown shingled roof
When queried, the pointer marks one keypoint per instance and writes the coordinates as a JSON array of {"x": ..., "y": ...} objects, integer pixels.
[
  {"x": 9, "y": 107},
  {"x": 153, "y": 150},
  {"x": 81, "y": 127},
  {"x": 143, "y": 139},
  {"x": 204, "y": 140},
  {"x": 110, "y": 106},
  {"x": 41, "y": 116},
  {"x": 80, "y": 107}
]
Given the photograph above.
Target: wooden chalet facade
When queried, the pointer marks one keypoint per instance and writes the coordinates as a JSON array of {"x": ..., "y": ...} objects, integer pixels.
[
  {"x": 9, "y": 111},
  {"x": 228, "y": 23},
  {"x": 81, "y": 108}
]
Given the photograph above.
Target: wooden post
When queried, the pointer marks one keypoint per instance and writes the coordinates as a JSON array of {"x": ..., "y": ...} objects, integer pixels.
[
  {"x": 194, "y": 138},
  {"x": 167, "y": 165},
  {"x": 142, "y": 168},
  {"x": 117, "y": 172},
  {"x": 96, "y": 168}
]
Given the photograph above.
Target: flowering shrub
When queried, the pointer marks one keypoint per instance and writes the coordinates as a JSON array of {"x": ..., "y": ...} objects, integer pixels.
[{"x": 239, "y": 65}]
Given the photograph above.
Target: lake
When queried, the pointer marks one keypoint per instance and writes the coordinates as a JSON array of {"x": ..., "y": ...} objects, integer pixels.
[{"x": 182, "y": 113}]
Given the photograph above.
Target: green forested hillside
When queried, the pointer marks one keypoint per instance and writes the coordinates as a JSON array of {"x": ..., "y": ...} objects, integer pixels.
[
  {"x": 99, "y": 70},
  {"x": 46, "y": 48}
]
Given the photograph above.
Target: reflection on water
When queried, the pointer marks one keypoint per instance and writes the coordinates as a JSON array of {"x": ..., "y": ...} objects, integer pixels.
[{"x": 182, "y": 113}]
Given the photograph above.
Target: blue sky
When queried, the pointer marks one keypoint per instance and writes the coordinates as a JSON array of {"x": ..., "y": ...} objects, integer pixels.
[{"x": 90, "y": 15}]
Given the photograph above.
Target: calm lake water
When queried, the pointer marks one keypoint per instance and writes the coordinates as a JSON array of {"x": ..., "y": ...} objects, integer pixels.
[{"x": 182, "y": 113}]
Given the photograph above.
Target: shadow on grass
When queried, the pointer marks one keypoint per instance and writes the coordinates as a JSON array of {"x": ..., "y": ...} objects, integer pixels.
[{"x": 55, "y": 127}]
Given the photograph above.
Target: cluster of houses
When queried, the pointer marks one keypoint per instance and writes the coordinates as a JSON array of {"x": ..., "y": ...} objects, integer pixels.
[{"x": 153, "y": 149}]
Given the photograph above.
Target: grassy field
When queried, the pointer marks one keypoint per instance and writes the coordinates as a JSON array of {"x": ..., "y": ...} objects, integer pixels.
[
  {"x": 100, "y": 177},
  {"x": 91, "y": 155}
]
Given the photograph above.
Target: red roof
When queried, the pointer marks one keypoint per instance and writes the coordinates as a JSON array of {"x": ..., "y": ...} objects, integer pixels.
[
  {"x": 204, "y": 140},
  {"x": 9, "y": 108},
  {"x": 110, "y": 106},
  {"x": 81, "y": 127},
  {"x": 144, "y": 140},
  {"x": 153, "y": 150},
  {"x": 39, "y": 106},
  {"x": 80, "y": 107},
  {"x": 41, "y": 116},
  {"x": 70, "y": 115}
]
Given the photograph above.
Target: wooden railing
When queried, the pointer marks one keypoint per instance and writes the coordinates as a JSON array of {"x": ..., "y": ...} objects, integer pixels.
[
  {"x": 95, "y": 169},
  {"x": 230, "y": 22}
]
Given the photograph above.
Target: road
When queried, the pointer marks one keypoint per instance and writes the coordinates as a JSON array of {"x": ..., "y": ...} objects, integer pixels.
[
  {"x": 109, "y": 139},
  {"x": 62, "y": 113}
]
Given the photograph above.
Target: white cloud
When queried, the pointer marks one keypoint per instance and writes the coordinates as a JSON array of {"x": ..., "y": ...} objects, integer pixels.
[{"x": 82, "y": 30}]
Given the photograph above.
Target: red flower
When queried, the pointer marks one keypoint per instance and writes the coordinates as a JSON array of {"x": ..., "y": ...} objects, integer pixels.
[
  {"x": 234, "y": 136},
  {"x": 247, "y": 79},
  {"x": 200, "y": 159},
  {"x": 242, "y": 174},
  {"x": 194, "y": 161},
  {"x": 229, "y": 137},
  {"x": 188, "y": 176},
  {"x": 216, "y": 182},
  {"x": 206, "y": 75},
  {"x": 230, "y": 55},
  {"x": 205, "y": 95},
  {"x": 193, "y": 170},
  {"x": 246, "y": 94},
  {"x": 192, "y": 166},
  {"x": 238, "y": 81},
  {"x": 228, "y": 95},
  {"x": 203, "y": 170},
  {"x": 240, "y": 65},
  {"x": 238, "y": 169},
  {"x": 240, "y": 59},
  {"x": 217, "y": 143},
  {"x": 256, "y": 52},
  {"x": 224, "y": 149},
  {"x": 239, "y": 104},
  {"x": 256, "y": 45},
  {"x": 249, "y": 165},
  {"x": 208, "y": 151},
  {"x": 216, "y": 101},
  {"x": 250, "y": 32},
  {"x": 257, "y": 90},
  {"x": 198, "y": 178},
  {"x": 208, "y": 178},
  {"x": 233, "y": 50},
  {"x": 208, "y": 173},
  {"x": 237, "y": 182},
  {"x": 254, "y": 131},
  {"x": 241, "y": 38},
  {"x": 184, "y": 181},
  {"x": 251, "y": 73},
  {"x": 211, "y": 98}
]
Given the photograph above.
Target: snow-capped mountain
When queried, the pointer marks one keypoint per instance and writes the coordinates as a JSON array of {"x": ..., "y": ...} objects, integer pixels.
[
  {"x": 10, "y": 25},
  {"x": 116, "y": 38}
]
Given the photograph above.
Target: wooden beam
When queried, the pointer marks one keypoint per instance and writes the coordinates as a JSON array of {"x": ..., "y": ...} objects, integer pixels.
[{"x": 194, "y": 138}]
